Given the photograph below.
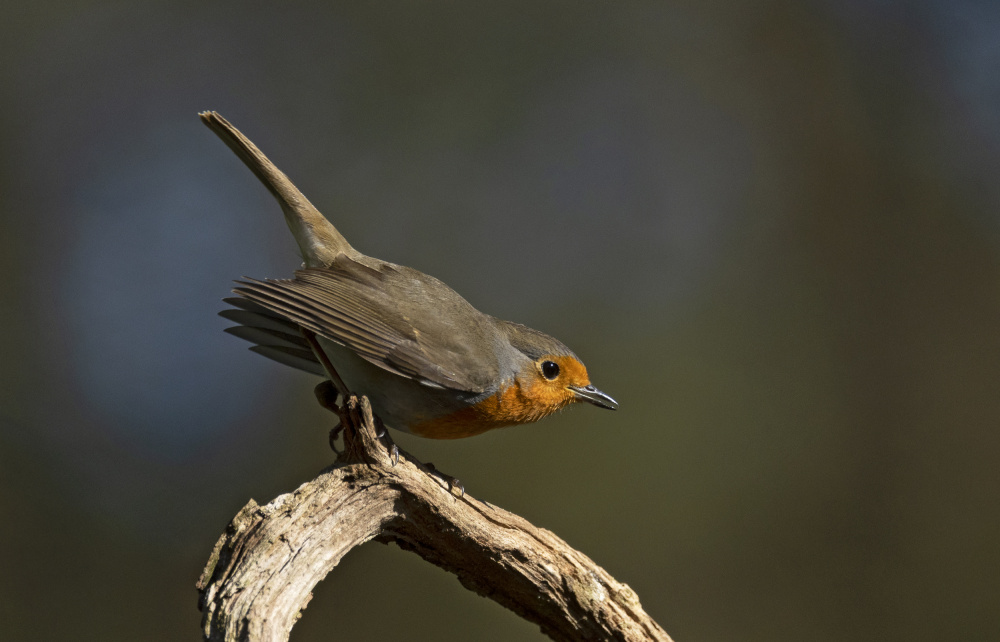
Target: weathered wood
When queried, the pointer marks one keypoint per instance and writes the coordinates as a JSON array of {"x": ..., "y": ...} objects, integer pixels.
[{"x": 264, "y": 567}]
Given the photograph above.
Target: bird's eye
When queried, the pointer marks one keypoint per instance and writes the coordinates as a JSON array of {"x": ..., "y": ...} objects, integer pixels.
[{"x": 550, "y": 370}]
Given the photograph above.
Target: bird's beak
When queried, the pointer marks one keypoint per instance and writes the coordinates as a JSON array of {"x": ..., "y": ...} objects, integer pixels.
[{"x": 594, "y": 396}]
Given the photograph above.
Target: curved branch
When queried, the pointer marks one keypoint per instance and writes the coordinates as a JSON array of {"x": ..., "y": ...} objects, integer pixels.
[{"x": 264, "y": 567}]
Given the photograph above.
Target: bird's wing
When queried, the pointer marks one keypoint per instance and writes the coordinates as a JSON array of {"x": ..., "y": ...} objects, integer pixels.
[
  {"x": 273, "y": 335},
  {"x": 397, "y": 318}
]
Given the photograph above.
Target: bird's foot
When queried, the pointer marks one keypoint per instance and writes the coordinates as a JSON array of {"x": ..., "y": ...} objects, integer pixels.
[
  {"x": 334, "y": 433},
  {"x": 383, "y": 433},
  {"x": 326, "y": 394}
]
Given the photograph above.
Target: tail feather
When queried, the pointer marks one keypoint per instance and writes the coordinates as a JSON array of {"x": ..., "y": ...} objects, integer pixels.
[{"x": 319, "y": 241}]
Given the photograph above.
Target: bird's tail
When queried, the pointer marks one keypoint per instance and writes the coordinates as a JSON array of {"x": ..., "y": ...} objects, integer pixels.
[{"x": 318, "y": 239}]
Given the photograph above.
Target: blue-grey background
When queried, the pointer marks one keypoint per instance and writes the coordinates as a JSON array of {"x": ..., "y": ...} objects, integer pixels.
[{"x": 770, "y": 229}]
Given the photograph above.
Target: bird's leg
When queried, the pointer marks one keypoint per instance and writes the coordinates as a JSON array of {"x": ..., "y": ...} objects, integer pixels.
[
  {"x": 326, "y": 392},
  {"x": 453, "y": 482},
  {"x": 326, "y": 395},
  {"x": 324, "y": 361}
]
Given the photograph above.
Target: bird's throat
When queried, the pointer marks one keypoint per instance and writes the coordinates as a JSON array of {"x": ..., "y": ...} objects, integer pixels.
[{"x": 511, "y": 405}]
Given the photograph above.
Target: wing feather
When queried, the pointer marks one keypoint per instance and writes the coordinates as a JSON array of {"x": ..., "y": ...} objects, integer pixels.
[
  {"x": 363, "y": 307},
  {"x": 274, "y": 336}
]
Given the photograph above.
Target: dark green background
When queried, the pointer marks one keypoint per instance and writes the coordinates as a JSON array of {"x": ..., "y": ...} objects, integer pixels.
[{"x": 770, "y": 229}]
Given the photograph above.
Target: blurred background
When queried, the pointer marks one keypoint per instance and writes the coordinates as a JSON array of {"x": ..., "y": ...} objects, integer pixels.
[{"x": 771, "y": 231}]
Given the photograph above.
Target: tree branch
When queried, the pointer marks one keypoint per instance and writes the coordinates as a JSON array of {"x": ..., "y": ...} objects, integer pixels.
[{"x": 263, "y": 568}]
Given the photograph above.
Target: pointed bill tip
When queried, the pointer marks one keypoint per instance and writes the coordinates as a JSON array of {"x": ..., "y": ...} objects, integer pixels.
[{"x": 592, "y": 395}]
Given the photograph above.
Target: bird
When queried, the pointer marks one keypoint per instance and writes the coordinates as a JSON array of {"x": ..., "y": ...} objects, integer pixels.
[{"x": 429, "y": 362}]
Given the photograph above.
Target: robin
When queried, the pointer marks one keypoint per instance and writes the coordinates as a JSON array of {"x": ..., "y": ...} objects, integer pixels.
[{"x": 431, "y": 364}]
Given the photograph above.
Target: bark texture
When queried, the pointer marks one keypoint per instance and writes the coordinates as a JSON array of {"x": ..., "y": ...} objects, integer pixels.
[{"x": 262, "y": 570}]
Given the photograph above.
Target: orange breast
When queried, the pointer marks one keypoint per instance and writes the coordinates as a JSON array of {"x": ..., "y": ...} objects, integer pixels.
[{"x": 511, "y": 405}]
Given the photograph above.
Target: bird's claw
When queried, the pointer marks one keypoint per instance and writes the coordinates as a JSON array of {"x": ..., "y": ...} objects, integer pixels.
[
  {"x": 334, "y": 433},
  {"x": 382, "y": 433}
]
